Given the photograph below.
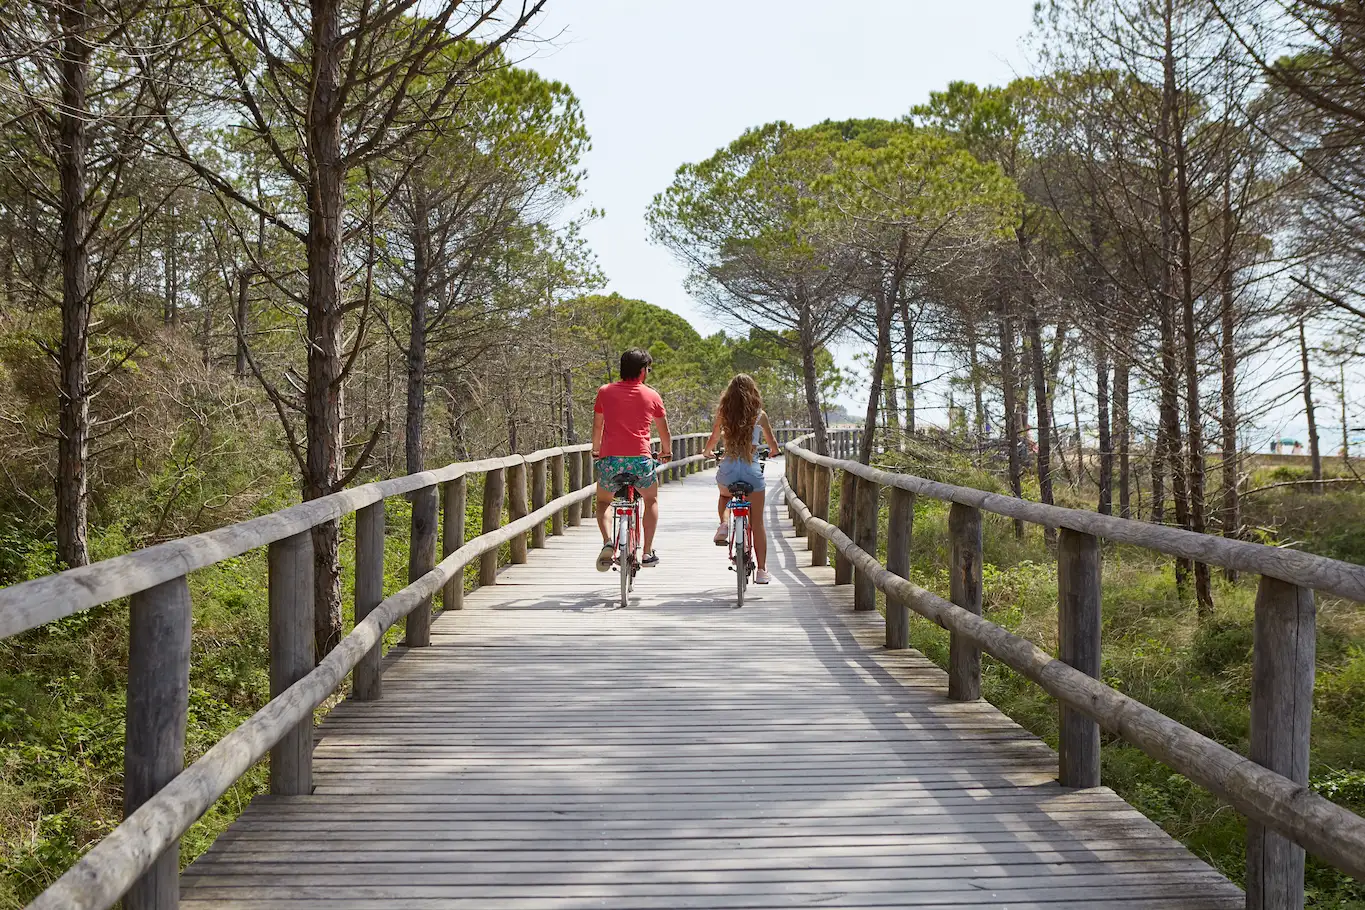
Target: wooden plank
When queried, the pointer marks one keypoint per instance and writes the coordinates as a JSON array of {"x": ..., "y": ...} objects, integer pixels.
[
  {"x": 368, "y": 680},
  {"x": 538, "y": 502},
  {"x": 1283, "y": 663},
  {"x": 965, "y": 562},
  {"x": 290, "y": 567},
  {"x": 1078, "y": 645},
  {"x": 517, "y": 508},
  {"x": 574, "y": 512},
  {"x": 556, "y": 491},
  {"x": 867, "y": 515},
  {"x": 157, "y": 708},
  {"x": 848, "y": 487}
]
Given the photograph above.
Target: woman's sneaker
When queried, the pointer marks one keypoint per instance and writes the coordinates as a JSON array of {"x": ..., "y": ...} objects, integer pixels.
[
  {"x": 722, "y": 534},
  {"x": 761, "y": 577},
  {"x": 606, "y": 558}
]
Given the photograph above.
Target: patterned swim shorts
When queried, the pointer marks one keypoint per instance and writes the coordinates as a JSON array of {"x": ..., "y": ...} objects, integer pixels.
[{"x": 606, "y": 468}]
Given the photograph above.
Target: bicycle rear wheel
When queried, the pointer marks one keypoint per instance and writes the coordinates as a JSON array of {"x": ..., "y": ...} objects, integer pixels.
[
  {"x": 741, "y": 563},
  {"x": 623, "y": 544}
]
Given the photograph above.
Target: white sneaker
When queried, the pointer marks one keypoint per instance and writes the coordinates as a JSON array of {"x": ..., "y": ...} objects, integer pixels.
[
  {"x": 761, "y": 577},
  {"x": 722, "y": 534}
]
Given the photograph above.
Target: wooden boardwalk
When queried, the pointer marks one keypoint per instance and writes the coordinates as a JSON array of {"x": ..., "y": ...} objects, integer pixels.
[{"x": 550, "y": 750}]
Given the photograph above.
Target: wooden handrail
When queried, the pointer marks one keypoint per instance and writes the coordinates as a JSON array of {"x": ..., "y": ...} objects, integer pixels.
[
  {"x": 1269, "y": 787},
  {"x": 1331, "y": 576},
  {"x": 114, "y": 864}
]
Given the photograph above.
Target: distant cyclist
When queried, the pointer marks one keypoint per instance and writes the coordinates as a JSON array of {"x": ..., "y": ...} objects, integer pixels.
[
  {"x": 620, "y": 444},
  {"x": 740, "y": 424}
]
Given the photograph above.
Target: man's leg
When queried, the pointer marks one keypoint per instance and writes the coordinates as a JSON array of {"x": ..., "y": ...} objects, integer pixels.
[
  {"x": 650, "y": 495},
  {"x": 604, "y": 498}
]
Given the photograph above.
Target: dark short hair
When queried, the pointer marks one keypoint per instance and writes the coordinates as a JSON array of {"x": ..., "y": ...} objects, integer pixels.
[{"x": 633, "y": 363}]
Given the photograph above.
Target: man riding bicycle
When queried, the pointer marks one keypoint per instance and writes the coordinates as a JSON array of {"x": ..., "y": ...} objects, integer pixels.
[{"x": 621, "y": 421}]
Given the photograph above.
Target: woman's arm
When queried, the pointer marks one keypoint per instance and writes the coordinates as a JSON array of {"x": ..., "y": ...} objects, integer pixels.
[
  {"x": 715, "y": 434},
  {"x": 768, "y": 432}
]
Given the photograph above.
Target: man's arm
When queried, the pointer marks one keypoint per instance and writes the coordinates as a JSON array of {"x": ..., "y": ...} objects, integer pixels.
[
  {"x": 665, "y": 440},
  {"x": 597, "y": 423}
]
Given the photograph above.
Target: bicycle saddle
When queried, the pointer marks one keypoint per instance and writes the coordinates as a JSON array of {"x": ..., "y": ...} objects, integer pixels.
[
  {"x": 741, "y": 487},
  {"x": 622, "y": 481}
]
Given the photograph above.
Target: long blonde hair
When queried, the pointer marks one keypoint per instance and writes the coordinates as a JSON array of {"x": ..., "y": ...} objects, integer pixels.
[{"x": 740, "y": 407}]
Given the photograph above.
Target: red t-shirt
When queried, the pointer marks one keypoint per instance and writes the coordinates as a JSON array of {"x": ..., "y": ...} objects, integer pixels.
[{"x": 627, "y": 408}]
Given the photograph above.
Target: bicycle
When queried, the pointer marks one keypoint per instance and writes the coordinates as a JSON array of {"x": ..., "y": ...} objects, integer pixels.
[
  {"x": 627, "y": 524},
  {"x": 741, "y": 561}
]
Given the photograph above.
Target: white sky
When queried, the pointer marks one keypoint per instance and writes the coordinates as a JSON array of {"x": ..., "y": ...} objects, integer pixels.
[{"x": 663, "y": 82}]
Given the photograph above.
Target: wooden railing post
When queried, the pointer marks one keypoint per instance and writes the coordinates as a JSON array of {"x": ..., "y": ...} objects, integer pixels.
[
  {"x": 421, "y": 560},
  {"x": 538, "y": 502},
  {"x": 556, "y": 491},
  {"x": 899, "y": 531},
  {"x": 452, "y": 538},
  {"x": 492, "y": 520},
  {"x": 819, "y": 507},
  {"x": 865, "y": 536},
  {"x": 157, "y": 709},
  {"x": 516, "y": 508},
  {"x": 367, "y": 683},
  {"x": 1284, "y": 651},
  {"x": 802, "y": 492},
  {"x": 848, "y": 485},
  {"x": 575, "y": 510},
  {"x": 964, "y": 658},
  {"x": 1078, "y": 645},
  {"x": 291, "y": 656}
]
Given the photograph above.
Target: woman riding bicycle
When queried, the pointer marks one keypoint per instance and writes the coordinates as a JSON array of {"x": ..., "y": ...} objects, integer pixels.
[{"x": 740, "y": 424}]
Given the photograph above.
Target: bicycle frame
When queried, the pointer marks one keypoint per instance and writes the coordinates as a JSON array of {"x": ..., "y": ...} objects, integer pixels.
[{"x": 739, "y": 508}]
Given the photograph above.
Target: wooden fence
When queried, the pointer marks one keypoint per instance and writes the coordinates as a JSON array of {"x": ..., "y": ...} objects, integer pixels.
[
  {"x": 139, "y": 860},
  {"x": 1269, "y": 786}
]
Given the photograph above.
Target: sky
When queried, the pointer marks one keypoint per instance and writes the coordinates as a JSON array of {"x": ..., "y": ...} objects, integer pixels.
[{"x": 663, "y": 82}]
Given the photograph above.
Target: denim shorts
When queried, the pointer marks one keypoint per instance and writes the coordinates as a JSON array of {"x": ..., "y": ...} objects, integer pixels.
[
  {"x": 732, "y": 470},
  {"x": 606, "y": 468}
]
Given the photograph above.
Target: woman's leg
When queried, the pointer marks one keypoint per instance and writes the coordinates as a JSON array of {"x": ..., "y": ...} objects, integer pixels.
[
  {"x": 756, "y": 522},
  {"x": 724, "y": 501}
]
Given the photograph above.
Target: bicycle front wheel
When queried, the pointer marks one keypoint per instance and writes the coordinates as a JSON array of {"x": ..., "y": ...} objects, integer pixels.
[{"x": 741, "y": 561}]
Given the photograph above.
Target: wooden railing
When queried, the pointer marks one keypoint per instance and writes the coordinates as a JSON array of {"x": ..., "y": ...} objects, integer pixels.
[
  {"x": 139, "y": 860},
  {"x": 1269, "y": 787}
]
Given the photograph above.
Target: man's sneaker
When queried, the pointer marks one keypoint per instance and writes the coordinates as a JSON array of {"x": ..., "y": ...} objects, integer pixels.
[
  {"x": 606, "y": 557},
  {"x": 722, "y": 534},
  {"x": 651, "y": 560},
  {"x": 761, "y": 577}
]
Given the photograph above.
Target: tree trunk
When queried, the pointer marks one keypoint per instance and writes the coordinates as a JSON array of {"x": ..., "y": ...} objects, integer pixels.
[
  {"x": 569, "y": 436},
  {"x": 879, "y": 370},
  {"x": 977, "y": 398},
  {"x": 1123, "y": 437},
  {"x": 172, "y": 314},
  {"x": 1232, "y": 511},
  {"x": 415, "y": 415},
  {"x": 1314, "y": 451},
  {"x": 243, "y": 286},
  {"x": 1008, "y": 384},
  {"x": 1044, "y": 417},
  {"x": 326, "y": 188},
  {"x": 73, "y": 396},
  {"x": 811, "y": 380},
  {"x": 1106, "y": 441},
  {"x": 908, "y": 328},
  {"x": 892, "y": 406}
]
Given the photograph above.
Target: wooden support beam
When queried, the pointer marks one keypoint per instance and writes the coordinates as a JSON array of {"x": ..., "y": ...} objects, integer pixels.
[
  {"x": 421, "y": 559},
  {"x": 899, "y": 533},
  {"x": 866, "y": 519},
  {"x": 493, "y": 485},
  {"x": 964, "y": 657},
  {"x": 819, "y": 506},
  {"x": 516, "y": 508},
  {"x": 157, "y": 708},
  {"x": 576, "y": 510},
  {"x": 291, "y": 656},
  {"x": 1282, "y": 669},
  {"x": 556, "y": 491},
  {"x": 1078, "y": 646},
  {"x": 848, "y": 486},
  {"x": 538, "y": 502},
  {"x": 367, "y": 683},
  {"x": 455, "y": 509}
]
